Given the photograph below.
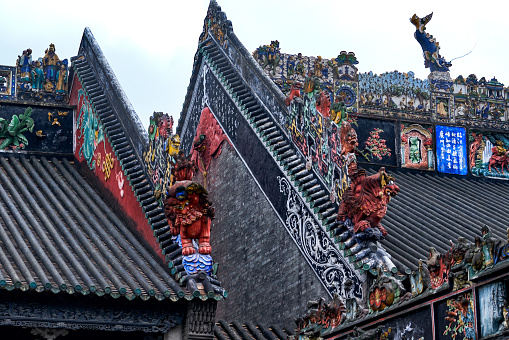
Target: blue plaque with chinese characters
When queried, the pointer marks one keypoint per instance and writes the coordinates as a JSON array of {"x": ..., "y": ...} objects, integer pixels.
[{"x": 451, "y": 150}]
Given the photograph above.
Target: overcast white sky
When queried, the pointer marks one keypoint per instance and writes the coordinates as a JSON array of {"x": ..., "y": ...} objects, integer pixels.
[{"x": 150, "y": 45}]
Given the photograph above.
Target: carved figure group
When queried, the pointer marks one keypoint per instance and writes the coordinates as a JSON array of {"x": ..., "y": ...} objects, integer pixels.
[
  {"x": 46, "y": 77},
  {"x": 268, "y": 55},
  {"x": 323, "y": 314}
]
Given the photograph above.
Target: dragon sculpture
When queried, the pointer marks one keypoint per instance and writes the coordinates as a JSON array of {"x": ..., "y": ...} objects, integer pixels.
[
  {"x": 365, "y": 201},
  {"x": 430, "y": 46}
]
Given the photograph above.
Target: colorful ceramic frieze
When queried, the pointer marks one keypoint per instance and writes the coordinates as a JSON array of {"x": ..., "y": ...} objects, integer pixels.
[
  {"x": 480, "y": 99},
  {"x": 417, "y": 146},
  {"x": 336, "y": 77},
  {"x": 44, "y": 79},
  {"x": 269, "y": 57},
  {"x": 394, "y": 90},
  {"x": 317, "y": 136},
  {"x": 451, "y": 149},
  {"x": 162, "y": 149},
  {"x": 489, "y": 154}
]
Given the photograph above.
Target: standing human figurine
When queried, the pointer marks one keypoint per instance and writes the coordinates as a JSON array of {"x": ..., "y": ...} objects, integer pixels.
[
  {"x": 37, "y": 77},
  {"x": 61, "y": 80},
  {"x": 24, "y": 62},
  {"x": 49, "y": 62}
]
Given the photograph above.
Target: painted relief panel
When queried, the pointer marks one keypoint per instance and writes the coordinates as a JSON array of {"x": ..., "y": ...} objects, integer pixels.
[
  {"x": 377, "y": 141},
  {"x": 414, "y": 325},
  {"x": 36, "y": 129},
  {"x": 417, "y": 146},
  {"x": 454, "y": 318},
  {"x": 492, "y": 307},
  {"x": 94, "y": 153},
  {"x": 451, "y": 150},
  {"x": 489, "y": 154}
]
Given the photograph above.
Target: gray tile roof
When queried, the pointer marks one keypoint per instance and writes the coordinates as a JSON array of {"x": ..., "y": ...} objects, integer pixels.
[
  {"x": 432, "y": 209},
  {"x": 57, "y": 234},
  {"x": 235, "y": 330}
]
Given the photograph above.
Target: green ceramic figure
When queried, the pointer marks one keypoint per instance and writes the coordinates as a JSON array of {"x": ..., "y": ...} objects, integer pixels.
[
  {"x": 37, "y": 77},
  {"x": 11, "y": 133},
  {"x": 414, "y": 145}
]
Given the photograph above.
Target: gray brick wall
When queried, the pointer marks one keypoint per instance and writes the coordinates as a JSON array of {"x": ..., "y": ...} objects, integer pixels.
[{"x": 267, "y": 278}]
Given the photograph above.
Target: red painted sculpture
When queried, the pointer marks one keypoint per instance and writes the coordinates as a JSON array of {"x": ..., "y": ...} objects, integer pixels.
[
  {"x": 207, "y": 144},
  {"x": 294, "y": 93},
  {"x": 188, "y": 211},
  {"x": 348, "y": 138},
  {"x": 439, "y": 266},
  {"x": 323, "y": 104},
  {"x": 500, "y": 157},
  {"x": 474, "y": 146},
  {"x": 365, "y": 201}
]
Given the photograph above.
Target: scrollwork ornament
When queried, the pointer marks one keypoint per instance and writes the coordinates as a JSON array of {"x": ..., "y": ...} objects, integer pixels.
[{"x": 320, "y": 252}]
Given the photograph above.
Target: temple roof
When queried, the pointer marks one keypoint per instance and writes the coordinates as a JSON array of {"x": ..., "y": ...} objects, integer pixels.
[
  {"x": 58, "y": 234},
  {"x": 121, "y": 126},
  {"x": 432, "y": 209},
  {"x": 128, "y": 139}
]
